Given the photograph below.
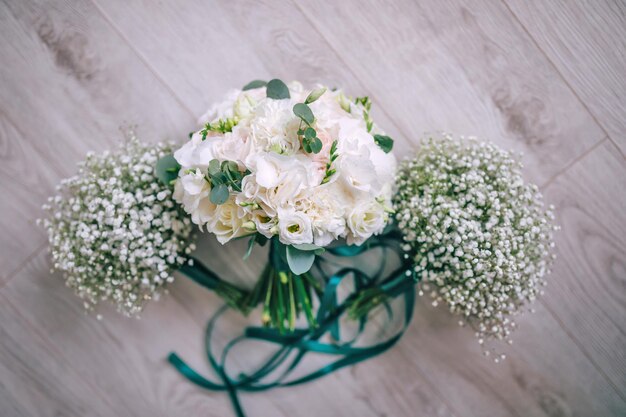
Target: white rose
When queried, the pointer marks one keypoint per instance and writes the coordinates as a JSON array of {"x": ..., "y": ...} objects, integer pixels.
[
  {"x": 265, "y": 225},
  {"x": 326, "y": 214},
  {"x": 247, "y": 101},
  {"x": 294, "y": 227},
  {"x": 229, "y": 219},
  {"x": 234, "y": 146},
  {"x": 282, "y": 177},
  {"x": 197, "y": 152},
  {"x": 364, "y": 221},
  {"x": 192, "y": 192},
  {"x": 358, "y": 174},
  {"x": 193, "y": 182},
  {"x": 221, "y": 110},
  {"x": 274, "y": 127}
]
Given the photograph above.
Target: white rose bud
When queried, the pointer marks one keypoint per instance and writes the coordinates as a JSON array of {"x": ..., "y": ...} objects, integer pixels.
[
  {"x": 364, "y": 221},
  {"x": 294, "y": 227},
  {"x": 229, "y": 220}
]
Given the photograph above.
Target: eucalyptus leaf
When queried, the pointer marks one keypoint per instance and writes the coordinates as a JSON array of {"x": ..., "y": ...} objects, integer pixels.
[
  {"x": 254, "y": 84},
  {"x": 277, "y": 90},
  {"x": 316, "y": 145},
  {"x": 299, "y": 261},
  {"x": 384, "y": 142},
  {"x": 315, "y": 94},
  {"x": 214, "y": 167},
  {"x": 307, "y": 247},
  {"x": 304, "y": 112},
  {"x": 219, "y": 194},
  {"x": 310, "y": 133},
  {"x": 230, "y": 166},
  {"x": 167, "y": 169}
]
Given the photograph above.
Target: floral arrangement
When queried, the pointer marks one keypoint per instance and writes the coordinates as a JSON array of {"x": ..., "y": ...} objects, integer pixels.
[
  {"x": 308, "y": 172},
  {"x": 306, "y": 166},
  {"x": 479, "y": 236},
  {"x": 114, "y": 230}
]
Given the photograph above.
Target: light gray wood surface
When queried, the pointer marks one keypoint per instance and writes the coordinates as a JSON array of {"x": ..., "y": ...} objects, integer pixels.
[{"x": 545, "y": 78}]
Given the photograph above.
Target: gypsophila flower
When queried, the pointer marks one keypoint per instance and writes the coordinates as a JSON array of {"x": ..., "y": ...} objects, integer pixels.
[
  {"x": 114, "y": 230},
  {"x": 480, "y": 237}
]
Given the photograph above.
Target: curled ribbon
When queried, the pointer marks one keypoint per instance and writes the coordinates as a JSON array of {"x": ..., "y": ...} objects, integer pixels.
[{"x": 292, "y": 347}]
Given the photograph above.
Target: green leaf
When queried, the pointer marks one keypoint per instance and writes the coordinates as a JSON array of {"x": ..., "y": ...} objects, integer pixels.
[
  {"x": 230, "y": 166},
  {"x": 277, "y": 90},
  {"x": 254, "y": 84},
  {"x": 307, "y": 246},
  {"x": 306, "y": 145},
  {"x": 333, "y": 147},
  {"x": 167, "y": 169},
  {"x": 315, "y": 94},
  {"x": 250, "y": 246},
  {"x": 304, "y": 112},
  {"x": 299, "y": 261},
  {"x": 384, "y": 142},
  {"x": 316, "y": 145},
  {"x": 219, "y": 194},
  {"x": 214, "y": 167},
  {"x": 310, "y": 133}
]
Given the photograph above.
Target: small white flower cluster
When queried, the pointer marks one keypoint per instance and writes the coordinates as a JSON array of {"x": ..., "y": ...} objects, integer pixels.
[
  {"x": 114, "y": 230},
  {"x": 480, "y": 236},
  {"x": 342, "y": 191}
]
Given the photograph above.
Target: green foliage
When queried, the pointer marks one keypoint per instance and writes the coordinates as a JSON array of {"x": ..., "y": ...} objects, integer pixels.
[
  {"x": 384, "y": 142},
  {"x": 224, "y": 177},
  {"x": 330, "y": 171},
  {"x": 221, "y": 126},
  {"x": 219, "y": 194},
  {"x": 315, "y": 94},
  {"x": 308, "y": 136},
  {"x": 167, "y": 169},
  {"x": 277, "y": 90},
  {"x": 344, "y": 103},
  {"x": 367, "y": 106},
  {"x": 303, "y": 111},
  {"x": 299, "y": 261},
  {"x": 254, "y": 84}
]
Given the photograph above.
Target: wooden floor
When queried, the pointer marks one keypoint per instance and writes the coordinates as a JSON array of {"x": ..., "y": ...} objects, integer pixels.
[{"x": 543, "y": 77}]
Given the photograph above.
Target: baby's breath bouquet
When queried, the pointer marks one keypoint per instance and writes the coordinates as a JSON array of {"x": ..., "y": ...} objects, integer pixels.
[
  {"x": 480, "y": 237},
  {"x": 115, "y": 232}
]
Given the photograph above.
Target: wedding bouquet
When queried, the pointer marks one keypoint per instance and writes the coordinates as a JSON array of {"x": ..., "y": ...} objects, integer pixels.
[
  {"x": 301, "y": 167},
  {"x": 308, "y": 172}
]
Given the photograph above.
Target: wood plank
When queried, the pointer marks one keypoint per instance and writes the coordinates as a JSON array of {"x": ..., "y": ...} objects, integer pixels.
[
  {"x": 68, "y": 83},
  {"x": 587, "y": 291},
  {"x": 544, "y": 373},
  {"x": 513, "y": 97},
  {"x": 125, "y": 358},
  {"x": 586, "y": 41},
  {"x": 285, "y": 45},
  {"x": 466, "y": 68},
  {"x": 30, "y": 373}
]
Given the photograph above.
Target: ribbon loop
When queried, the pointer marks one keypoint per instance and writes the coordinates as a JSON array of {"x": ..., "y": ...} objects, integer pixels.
[{"x": 293, "y": 346}]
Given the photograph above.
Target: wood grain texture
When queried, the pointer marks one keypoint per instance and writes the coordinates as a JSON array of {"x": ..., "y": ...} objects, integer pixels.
[
  {"x": 68, "y": 83},
  {"x": 78, "y": 70},
  {"x": 286, "y": 45},
  {"x": 588, "y": 291},
  {"x": 463, "y": 67},
  {"x": 586, "y": 41},
  {"x": 125, "y": 359},
  {"x": 31, "y": 372}
]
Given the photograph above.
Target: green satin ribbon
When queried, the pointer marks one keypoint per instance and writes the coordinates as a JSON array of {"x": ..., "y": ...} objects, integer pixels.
[{"x": 293, "y": 346}]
